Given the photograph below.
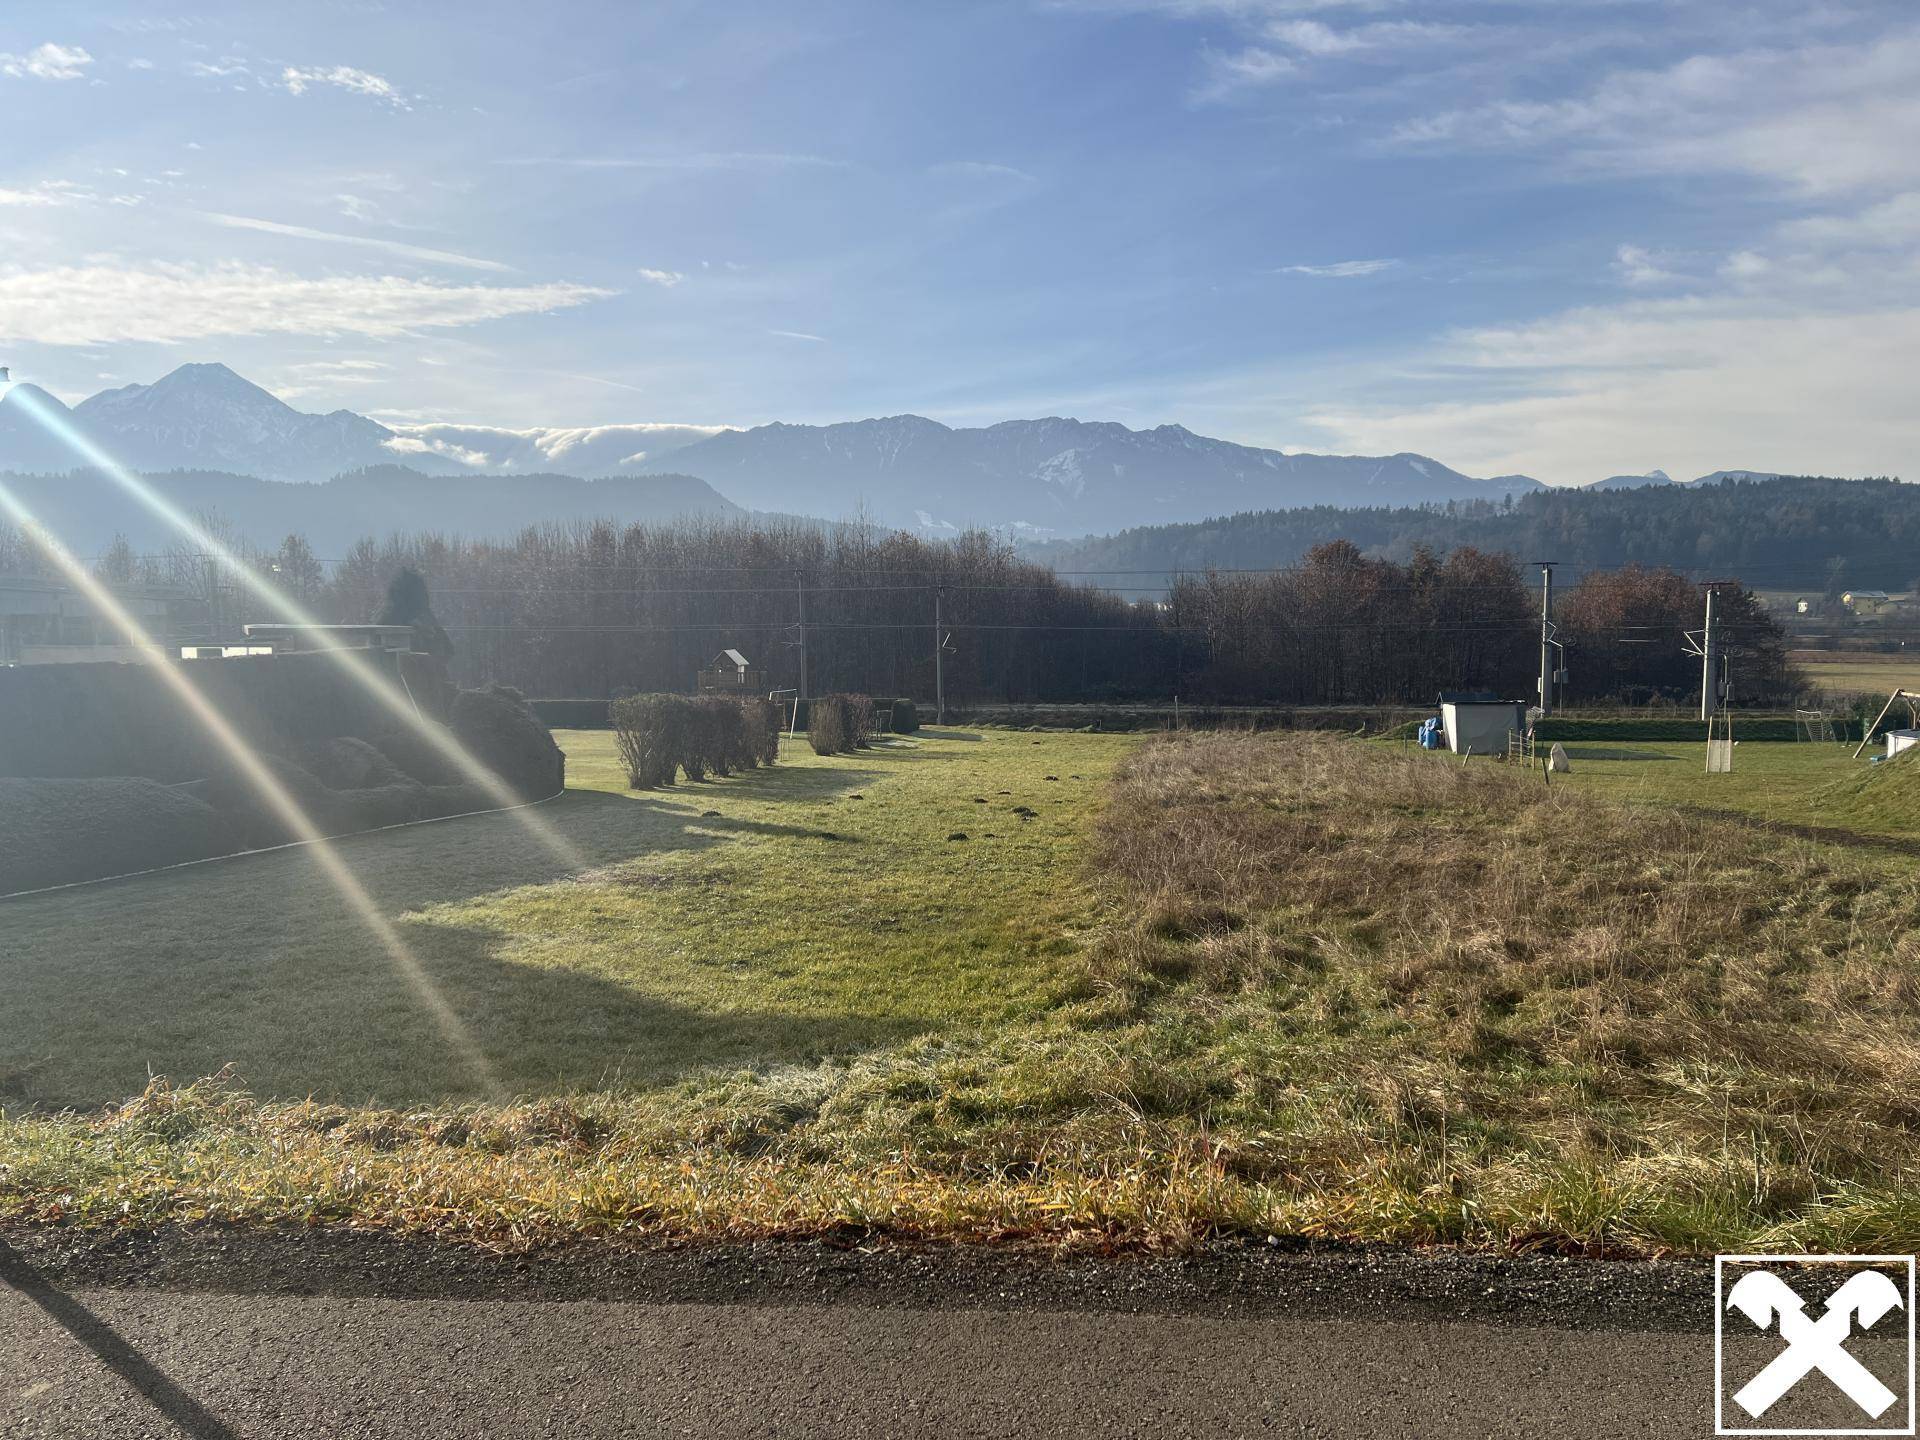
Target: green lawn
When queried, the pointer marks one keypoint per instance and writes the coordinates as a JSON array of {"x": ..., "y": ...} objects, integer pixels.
[
  {"x": 813, "y": 909},
  {"x": 1784, "y": 784}
]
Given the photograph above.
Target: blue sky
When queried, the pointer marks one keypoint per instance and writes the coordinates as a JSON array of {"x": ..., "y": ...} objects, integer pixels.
[{"x": 1570, "y": 239}]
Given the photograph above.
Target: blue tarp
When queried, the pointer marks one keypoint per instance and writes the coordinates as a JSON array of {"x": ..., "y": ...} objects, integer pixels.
[{"x": 1431, "y": 735}]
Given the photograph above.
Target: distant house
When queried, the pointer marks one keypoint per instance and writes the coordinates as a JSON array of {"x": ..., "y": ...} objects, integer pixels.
[
  {"x": 1866, "y": 602},
  {"x": 730, "y": 673},
  {"x": 1802, "y": 605}
]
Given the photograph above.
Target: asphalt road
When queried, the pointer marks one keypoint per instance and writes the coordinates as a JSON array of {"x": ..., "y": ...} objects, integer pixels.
[{"x": 803, "y": 1341}]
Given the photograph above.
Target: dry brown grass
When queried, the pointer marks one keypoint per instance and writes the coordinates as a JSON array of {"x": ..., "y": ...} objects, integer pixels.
[{"x": 1514, "y": 980}]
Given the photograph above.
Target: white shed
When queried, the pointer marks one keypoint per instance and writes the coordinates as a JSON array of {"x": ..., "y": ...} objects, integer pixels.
[
  {"x": 1898, "y": 740},
  {"x": 1478, "y": 724}
]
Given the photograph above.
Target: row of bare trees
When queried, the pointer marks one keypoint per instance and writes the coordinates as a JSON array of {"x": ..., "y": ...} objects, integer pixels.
[{"x": 596, "y": 610}]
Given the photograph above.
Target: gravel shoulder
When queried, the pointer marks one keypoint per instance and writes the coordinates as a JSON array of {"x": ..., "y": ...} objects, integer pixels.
[{"x": 1241, "y": 1280}]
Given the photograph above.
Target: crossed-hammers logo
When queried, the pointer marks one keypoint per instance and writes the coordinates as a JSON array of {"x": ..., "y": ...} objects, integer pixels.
[{"x": 1816, "y": 1337}]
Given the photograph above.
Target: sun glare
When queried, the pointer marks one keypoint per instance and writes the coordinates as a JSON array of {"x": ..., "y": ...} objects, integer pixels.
[
  {"x": 289, "y": 612},
  {"x": 249, "y": 763}
]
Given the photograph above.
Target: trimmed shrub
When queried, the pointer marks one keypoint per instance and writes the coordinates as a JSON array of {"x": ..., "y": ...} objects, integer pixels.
[
  {"x": 906, "y": 717},
  {"x": 762, "y": 719},
  {"x": 347, "y": 763},
  {"x": 719, "y": 737},
  {"x": 500, "y": 730},
  {"x": 652, "y": 732},
  {"x": 859, "y": 721},
  {"x": 827, "y": 724}
]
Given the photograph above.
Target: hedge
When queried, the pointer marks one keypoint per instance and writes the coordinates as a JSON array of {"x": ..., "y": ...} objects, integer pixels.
[
  {"x": 762, "y": 720},
  {"x": 1759, "y": 727},
  {"x": 719, "y": 737},
  {"x": 860, "y": 721},
  {"x": 829, "y": 727},
  {"x": 659, "y": 735},
  {"x": 652, "y": 732}
]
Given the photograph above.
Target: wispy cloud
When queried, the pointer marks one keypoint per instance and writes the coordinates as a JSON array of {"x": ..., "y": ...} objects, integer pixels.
[
  {"x": 46, "y": 62},
  {"x": 364, "y": 242},
  {"x": 103, "y": 303},
  {"x": 982, "y": 170},
  {"x": 44, "y": 195},
  {"x": 344, "y": 77},
  {"x": 1835, "y": 118},
  {"x": 47, "y": 194},
  {"x": 1636, "y": 265},
  {"x": 1702, "y": 383},
  {"x": 1340, "y": 269},
  {"x": 317, "y": 377},
  {"x": 703, "y": 160},
  {"x": 799, "y": 335},
  {"x": 666, "y": 279},
  {"x": 1889, "y": 223},
  {"x": 226, "y": 67},
  {"x": 1227, "y": 72},
  {"x": 1314, "y": 37}
]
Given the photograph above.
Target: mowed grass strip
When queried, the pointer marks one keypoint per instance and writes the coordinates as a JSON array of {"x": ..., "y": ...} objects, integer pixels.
[
  {"x": 1815, "y": 785},
  {"x": 1337, "y": 991},
  {"x": 777, "y": 917}
]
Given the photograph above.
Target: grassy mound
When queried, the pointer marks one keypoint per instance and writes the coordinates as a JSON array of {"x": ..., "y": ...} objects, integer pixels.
[
  {"x": 59, "y": 831},
  {"x": 1886, "y": 794}
]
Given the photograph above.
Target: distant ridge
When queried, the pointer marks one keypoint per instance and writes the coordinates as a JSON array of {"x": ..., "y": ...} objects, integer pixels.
[
  {"x": 1049, "y": 476},
  {"x": 87, "y": 510}
]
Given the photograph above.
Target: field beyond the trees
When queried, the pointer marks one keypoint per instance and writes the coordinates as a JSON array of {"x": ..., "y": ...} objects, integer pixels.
[{"x": 1293, "y": 984}]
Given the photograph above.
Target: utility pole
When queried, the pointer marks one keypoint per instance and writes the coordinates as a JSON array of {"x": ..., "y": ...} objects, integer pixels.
[
  {"x": 1714, "y": 687},
  {"x": 1546, "y": 636},
  {"x": 939, "y": 660},
  {"x": 1179, "y": 641},
  {"x": 216, "y": 620},
  {"x": 1709, "y": 698},
  {"x": 800, "y": 588}
]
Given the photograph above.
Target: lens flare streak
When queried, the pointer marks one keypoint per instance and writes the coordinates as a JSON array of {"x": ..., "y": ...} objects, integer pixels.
[
  {"x": 270, "y": 789},
  {"x": 286, "y": 610}
]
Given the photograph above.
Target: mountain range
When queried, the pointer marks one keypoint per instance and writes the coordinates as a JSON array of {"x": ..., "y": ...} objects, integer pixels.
[
  {"x": 1034, "y": 478},
  {"x": 1049, "y": 476}
]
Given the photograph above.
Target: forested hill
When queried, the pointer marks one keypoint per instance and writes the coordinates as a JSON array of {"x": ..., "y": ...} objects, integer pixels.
[
  {"x": 1797, "y": 532},
  {"x": 87, "y": 510}
]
